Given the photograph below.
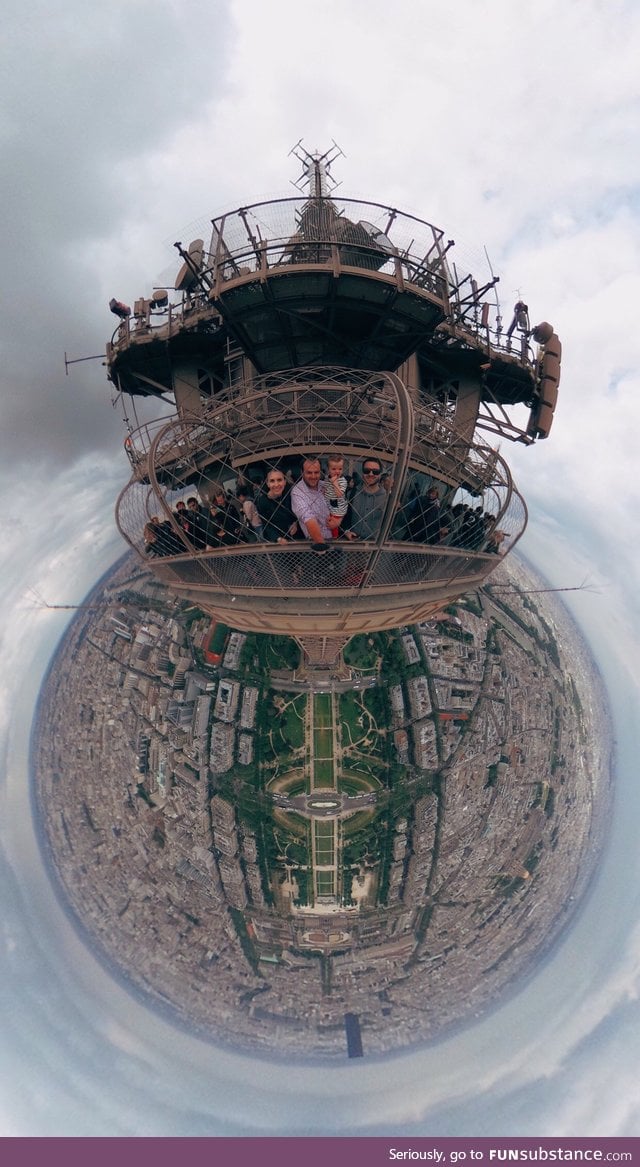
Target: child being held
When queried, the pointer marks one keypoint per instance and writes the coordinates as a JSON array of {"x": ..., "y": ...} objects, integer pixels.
[{"x": 334, "y": 487}]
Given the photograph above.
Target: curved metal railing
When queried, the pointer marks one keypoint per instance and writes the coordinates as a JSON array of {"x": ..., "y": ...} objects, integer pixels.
[
  {"x": 271, "y": 237},
  {"x": 276, "y": 423}
]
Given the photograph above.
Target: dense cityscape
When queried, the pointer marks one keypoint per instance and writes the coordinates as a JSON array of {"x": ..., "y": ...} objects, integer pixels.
[{"x": 263, "y": 849}]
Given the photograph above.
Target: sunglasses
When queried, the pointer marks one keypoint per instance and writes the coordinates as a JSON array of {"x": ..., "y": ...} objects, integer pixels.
[{"x": 367, "y": 470}]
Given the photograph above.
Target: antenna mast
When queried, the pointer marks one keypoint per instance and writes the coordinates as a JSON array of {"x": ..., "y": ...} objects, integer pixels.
[{"x": 316, "y": 167}]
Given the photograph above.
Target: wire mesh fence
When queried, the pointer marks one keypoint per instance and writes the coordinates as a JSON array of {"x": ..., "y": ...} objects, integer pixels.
[
  {"x": 338, "y": 234},
  {"x": 399, "y": 500}
]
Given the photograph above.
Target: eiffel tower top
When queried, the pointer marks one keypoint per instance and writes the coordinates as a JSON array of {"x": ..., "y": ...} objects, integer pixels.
[{"x": 316, "y": 176}]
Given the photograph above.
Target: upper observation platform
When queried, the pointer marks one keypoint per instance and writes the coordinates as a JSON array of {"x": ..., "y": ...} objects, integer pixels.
[{"x": 322, "y": 280}]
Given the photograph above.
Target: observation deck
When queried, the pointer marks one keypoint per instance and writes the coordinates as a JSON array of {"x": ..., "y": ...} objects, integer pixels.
[
  {"x": 412, "y": 561},
  {"x": 297, "y": 282},
  {"x": 314, "y": 326}
]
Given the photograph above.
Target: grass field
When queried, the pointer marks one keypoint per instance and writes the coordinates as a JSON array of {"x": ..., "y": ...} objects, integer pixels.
[
  {"x": 323, "y": 773},
  {"x": 357, "y": 783},
  {"x": 325, "y": 883},
  {"x": 322, "y": 709},
  {"x": 323, "y": 740},
  {"x": 325, "y": 855},
  {"x": 294, "y": 714},
  {"x": 370, "y": 768},
  {"x": 351, "y": 712},
  {"x": 323, "y": 743},
  {"x": 325, "y": 837}
]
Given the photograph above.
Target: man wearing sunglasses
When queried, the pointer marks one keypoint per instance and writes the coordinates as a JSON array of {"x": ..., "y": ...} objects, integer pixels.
[{"x": 367, "y": 505}]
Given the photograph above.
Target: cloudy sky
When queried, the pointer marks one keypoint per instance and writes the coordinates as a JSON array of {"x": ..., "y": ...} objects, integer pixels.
[{"x": 512, "y": 127}]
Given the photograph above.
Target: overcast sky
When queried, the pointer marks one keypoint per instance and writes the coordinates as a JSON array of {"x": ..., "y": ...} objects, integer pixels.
[{"x": 512, "y": 127}]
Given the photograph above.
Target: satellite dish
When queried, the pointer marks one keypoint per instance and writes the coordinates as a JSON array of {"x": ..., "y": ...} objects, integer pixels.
[{"x": 378, "y": 237}]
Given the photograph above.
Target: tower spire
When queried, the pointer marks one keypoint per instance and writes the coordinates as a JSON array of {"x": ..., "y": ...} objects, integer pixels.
[{"x": 316, "y": 175}]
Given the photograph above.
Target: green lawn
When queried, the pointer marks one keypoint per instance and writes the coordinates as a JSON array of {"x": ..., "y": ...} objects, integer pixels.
[
  {"x": 322, "y": 709},
  {"x": 325, "y": 841},
  {"x": 323, "y": 740},
  {"x": 365, "y": 766},
  {"x": 323, "y": 772},
  {"x": 294, "y": 723},
  {"x": 350, "y": 711},
  {"x": 325, "y": 883},
  {"x": 356, "y": 784},
  {"x": 358, "y": 822},
  {"x": 323, "y": 743}
]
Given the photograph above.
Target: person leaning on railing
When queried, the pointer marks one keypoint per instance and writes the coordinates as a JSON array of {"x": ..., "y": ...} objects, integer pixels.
[
  {"x": 494, "y": 537},
  {"x": 251, "y": 518},
  {"x": 279, "y": 524},
  {"x": 225, "y": 527},
  {"x": 367, "y": 505},
  {"x": 426, "y": 520},
  {"x": 197, "y": 523},
  {"x": 310, "y": 506},
  {"x": 161, "y": 539}
]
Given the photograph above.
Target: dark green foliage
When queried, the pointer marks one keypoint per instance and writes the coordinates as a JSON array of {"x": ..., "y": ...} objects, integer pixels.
[
  {"x": 261, "y": 654},
  {"x": 362, "y": 651},
  {"x": 245, "y": 939},
  {"x": 377, "y": 702},
  {"x": 302, "y": 879},
  {"x": 394, "y": 664},
  {"x": 492, "y": 775}
]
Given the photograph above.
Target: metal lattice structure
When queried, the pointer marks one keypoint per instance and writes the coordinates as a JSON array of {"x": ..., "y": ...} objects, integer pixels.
[
  {"x": 350, "y": 586},
  {"x": 299, "y": 282},
  {"x": 313, "y": 326}
]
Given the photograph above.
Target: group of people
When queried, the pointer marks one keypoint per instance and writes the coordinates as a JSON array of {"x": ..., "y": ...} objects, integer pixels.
[
  {"x": 318, "y": 508},
  {"x": 426, "y": 519},
  {"x": 218, "y": 525}
]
